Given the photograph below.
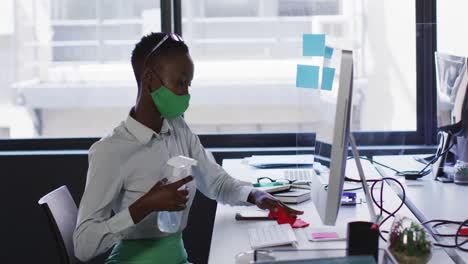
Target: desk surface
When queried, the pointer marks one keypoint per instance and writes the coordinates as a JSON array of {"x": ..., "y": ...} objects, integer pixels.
[
  {"x": 230, "y": 236},
  {"x": 430, "y": 199}
]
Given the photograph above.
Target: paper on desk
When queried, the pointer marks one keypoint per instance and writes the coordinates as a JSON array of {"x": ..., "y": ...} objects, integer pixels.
[
  {"x": 265, "y": 160},
  {"x": 326, "y": 233}
]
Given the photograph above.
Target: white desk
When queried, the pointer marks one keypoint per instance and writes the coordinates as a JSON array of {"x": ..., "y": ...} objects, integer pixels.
[
  {"x": 230, "y": 236},
  {"x": 431, "y": 199}
]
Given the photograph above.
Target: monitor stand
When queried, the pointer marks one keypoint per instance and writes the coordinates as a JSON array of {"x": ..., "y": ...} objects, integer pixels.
[
  {"x": 438, "y": 166},
  {"x": 365, "y": 187}
]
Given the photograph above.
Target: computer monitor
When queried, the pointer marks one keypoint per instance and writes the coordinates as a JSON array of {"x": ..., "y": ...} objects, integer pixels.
[
  {"x": 332, "y": 137},
  {"x": 452, "y": 81},
  {"x": 452, "y": 111}
]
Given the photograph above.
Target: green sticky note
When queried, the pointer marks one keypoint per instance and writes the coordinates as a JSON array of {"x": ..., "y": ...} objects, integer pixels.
[
  {"x": 328, "y": 75},
  {"x": 313, "y": 44},
  {"x": 328, "y": 52},
  {"x": 307, "y": 76}
]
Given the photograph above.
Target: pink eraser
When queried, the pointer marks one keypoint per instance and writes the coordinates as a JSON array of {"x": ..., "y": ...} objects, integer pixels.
[{"x": 324, "y": 235}]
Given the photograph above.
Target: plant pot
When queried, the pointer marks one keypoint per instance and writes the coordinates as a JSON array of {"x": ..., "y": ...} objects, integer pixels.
[{"x": 402, "y": 258}]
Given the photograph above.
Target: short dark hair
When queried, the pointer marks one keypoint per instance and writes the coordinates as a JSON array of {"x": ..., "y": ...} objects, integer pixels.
[{"x": 146, "y": 45}]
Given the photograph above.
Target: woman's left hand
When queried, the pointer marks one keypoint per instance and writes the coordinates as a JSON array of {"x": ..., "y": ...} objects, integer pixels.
[{"x": 265, "y": 200}]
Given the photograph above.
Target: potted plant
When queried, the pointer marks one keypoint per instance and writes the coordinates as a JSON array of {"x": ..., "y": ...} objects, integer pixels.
[{"x": 408, "y": 242}]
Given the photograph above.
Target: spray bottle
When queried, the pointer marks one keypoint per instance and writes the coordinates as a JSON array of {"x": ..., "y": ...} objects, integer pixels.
[{"x": 181, "y": 166}]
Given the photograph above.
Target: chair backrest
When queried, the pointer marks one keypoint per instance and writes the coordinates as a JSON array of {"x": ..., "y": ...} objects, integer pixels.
[{"x": 61, "y": 212}]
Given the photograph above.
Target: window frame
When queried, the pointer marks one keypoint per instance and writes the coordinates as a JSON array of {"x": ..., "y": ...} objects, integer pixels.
[{"x": 426, "y": 127}]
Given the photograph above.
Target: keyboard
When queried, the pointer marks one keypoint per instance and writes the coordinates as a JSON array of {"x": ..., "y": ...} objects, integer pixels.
[
  {"x": 299, "y": 176},
  {"x": 272, "y": 235}
]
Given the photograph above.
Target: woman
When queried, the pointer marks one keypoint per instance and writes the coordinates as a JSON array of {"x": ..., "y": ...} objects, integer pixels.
[{"x": 127, "y": 172}]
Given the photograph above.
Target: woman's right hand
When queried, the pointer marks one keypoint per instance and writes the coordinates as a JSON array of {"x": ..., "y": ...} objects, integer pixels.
[
  {"x": 167, "y": 197},
  {"x": 161, "y": 197}
]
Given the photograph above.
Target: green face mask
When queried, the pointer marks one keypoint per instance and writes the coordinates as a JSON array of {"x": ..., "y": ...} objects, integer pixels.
[{"x": 169, "y": 104}]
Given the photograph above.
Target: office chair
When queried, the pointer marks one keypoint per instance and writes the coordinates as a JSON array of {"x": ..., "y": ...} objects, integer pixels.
[{"x": 61, "y": 212}]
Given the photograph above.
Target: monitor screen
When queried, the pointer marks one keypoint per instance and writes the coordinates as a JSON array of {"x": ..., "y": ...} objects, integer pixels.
[
  {"x": 327, "y": 109},
  {"x": 332, "y": 135}
]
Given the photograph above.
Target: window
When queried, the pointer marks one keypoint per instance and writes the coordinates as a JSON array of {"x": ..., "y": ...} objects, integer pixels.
[
  {"x": 66, "y": 70},
  {"x": 246, "y": 52},
  {"x": 452, "y": 36},
  {"x": 71, "y": 74}
]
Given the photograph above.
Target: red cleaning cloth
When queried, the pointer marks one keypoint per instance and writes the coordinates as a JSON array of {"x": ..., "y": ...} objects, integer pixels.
[
  {"x": 463, "y": 232},
  {"x": 283, "y": 218},
  {"x": 299, "y": 223}
]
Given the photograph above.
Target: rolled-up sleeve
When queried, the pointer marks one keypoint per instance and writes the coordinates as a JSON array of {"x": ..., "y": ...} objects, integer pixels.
[
  {"x": 96, "y": 231},
  {"x": 212, "y": 180}
]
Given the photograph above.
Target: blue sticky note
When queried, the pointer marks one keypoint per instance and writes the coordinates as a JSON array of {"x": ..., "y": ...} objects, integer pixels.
[
  {"x": 328, "y": 52},
  {"x": 327, "y": 78},
  {"x": 313, "y": 44},
  {"x": 307, "y": 76}
]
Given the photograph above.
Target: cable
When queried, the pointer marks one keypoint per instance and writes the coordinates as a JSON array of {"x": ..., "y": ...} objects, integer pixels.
[
  {"x": 376, "y": 162},
  {"x": 442, "y": 222},
  {"x": 380, "y": 205},
  {"x": 403, "y": 199},
  {"x": 423, "y": 172},
  {"x": 457, "y": 235},
  {"x": 370, "y": 180},
  {"x": 345, "y": 190},
  {"x": 381, "y": 197},
  {"x": 411, "y": 175},
  {"x": 356, "y": 180},
  {"x": 352, "y": 189},
  {"x": 374, "y": 183},
  {"x": 381, "y": 164},
  {"x": 449, "y": 235}
]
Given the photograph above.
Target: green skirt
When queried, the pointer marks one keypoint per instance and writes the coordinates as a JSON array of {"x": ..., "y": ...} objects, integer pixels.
[{"x": 163, "y": 250}]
